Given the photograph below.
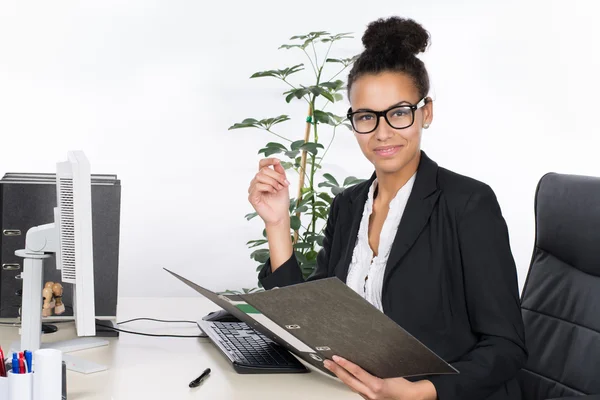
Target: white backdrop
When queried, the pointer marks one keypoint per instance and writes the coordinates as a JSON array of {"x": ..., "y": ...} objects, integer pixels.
[{"x": 148, "y": 88}]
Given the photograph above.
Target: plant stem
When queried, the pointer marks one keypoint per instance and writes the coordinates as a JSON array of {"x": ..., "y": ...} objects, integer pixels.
[
  {"x": 342, "y": 70},
  {"x": 311, "y": 62},
  {"x": 279, "y": 136},
  {"x": 313, "y": 168},
  {"x": 328, "y": 146},
  {"x": 312, "y": 42},
  {"x": 294, "y": 87},
  {"x": 302, "y": 171},
  {"x": 327, "y": 53}
]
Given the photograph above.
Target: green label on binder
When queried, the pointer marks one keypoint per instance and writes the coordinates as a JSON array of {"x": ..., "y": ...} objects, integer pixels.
[{"x": 247, "y": 308}]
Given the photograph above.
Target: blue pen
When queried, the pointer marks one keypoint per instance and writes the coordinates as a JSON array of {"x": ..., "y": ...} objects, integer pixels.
[
  {"x": 28, "y": 360},
  {"x": 15, "y": 363}
]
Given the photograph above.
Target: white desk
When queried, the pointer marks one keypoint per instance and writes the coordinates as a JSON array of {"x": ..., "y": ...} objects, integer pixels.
[{"x": 161, "y": 368}]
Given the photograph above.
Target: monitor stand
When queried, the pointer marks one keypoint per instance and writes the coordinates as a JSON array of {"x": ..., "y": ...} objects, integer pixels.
[{"x": 31, "y": 319}]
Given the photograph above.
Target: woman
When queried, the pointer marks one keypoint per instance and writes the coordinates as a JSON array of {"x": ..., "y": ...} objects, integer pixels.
[{"x": 426, "y": 246}]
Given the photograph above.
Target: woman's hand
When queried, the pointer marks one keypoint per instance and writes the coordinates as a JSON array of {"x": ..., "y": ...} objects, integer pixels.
[
  {"x": 373, "y": 388},
  {"x": 269, "y": 192}
]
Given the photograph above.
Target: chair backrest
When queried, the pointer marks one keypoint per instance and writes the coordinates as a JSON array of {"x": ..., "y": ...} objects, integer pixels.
[{"x": 561, "y": 297}]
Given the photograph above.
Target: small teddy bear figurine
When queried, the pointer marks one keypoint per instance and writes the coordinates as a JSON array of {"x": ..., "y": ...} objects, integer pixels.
[
  {"x": 57, "y": 291},
  {"x": 47, "y": 294},
  {"x": 52, "y": 294}
]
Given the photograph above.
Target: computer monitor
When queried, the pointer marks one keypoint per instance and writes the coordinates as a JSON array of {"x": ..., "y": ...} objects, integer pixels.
[
  {"x": 75, "y": 257},
  {"x": 70, "y": 239}
]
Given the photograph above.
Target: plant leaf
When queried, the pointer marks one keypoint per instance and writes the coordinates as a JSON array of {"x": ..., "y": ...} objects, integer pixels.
[
  {"x": 302, "y": 246},
  {"x": 250, "y": 216},
  {"x": 305, "y": 200},
  {"x": 326, "y": 184},
  {"x": 297, "y": 93},
  {"x": 247, "y": 123},
  {"x": 325, "y": 196},
  {"x": 269, "y": 151},
  {"x": 260, "y": 255},
  {"x": 331, "y": 179},
  {"x": 349, "y": 180},
  {"x": 301, "y": 257},
  {"x": 256, "y": 243},
  {"x": 286, "y": 165},
  {"x": 336, "y": 190},
  {"x": 295, "y": 222},
  {"x": 293, "y": 154},
  {"x": 276, "y": 145},
  {"x": 335, "y": 85},
  {"x": 328, "y": 96},
  {"x": 312, "y": 147},
  {"x": 297, "y": 144},
  {"x": 266, "y": 123},
  {"x": 322, "y": 117},
  {"x": 279, "y": 73}
]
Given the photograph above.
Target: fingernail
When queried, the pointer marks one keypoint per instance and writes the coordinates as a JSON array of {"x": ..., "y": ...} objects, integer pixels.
[
  {"x": 327, "y": 364},
  {"x": 337, "y": 359},
  {"x": 280, "y": 187},
  {"x": 287, "y": 182}
]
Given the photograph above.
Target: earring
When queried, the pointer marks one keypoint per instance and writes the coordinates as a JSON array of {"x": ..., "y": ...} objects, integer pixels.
[{"x": 426, "y": 126}]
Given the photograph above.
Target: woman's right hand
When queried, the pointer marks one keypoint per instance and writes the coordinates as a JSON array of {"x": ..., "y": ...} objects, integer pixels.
[{"x": 269, "y": 192}]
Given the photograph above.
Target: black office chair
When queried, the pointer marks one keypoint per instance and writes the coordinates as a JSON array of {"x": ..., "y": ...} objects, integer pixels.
[{"x": 561, "y": 297}]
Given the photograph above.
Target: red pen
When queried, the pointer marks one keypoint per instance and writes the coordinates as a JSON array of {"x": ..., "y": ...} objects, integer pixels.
[
  {"x": 2, "y": 365},
  {"x": 21, "y": 364}
]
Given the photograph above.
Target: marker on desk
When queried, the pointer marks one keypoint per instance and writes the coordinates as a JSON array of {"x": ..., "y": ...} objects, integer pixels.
[
  {"x": 21, "y": 364},
  {"x": 2, "y": 365},
  {"x": 15, "y": 364},
  {"x": 196, "y": 382},
  {"x": 28, "y": 360}
]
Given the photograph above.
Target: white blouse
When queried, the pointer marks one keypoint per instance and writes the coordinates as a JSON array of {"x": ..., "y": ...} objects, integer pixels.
[{"x": 365, "y": 274}]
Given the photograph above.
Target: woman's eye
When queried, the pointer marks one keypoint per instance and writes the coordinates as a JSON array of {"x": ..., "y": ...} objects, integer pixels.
[{"x": 400, "y": 113}]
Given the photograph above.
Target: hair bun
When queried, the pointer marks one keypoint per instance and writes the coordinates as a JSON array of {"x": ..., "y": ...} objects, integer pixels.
[{"x": 395, "y": 35}]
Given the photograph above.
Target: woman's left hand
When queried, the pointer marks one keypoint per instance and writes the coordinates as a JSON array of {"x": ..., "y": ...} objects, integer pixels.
[{"x": 373, "y": 388}]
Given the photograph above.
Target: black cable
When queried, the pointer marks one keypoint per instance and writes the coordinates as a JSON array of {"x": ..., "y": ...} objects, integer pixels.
[
  {"x": 203, "y": 335},
  {"x": 156, "y": 320},
  {"x": 154, "y": 334}
]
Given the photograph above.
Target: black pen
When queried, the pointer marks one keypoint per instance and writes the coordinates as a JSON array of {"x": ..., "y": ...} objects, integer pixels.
[{"x": 196, "y": 382}]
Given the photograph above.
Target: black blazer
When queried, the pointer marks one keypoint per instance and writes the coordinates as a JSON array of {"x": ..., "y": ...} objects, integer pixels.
[{"x": 450, "y": 279}]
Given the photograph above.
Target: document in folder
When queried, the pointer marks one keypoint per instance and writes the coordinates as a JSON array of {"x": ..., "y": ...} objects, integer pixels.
[{"x": 319, "y": 319}]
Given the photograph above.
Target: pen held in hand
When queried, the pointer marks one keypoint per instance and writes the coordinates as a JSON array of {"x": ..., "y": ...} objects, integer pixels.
[{"x": 196, "y": 382}]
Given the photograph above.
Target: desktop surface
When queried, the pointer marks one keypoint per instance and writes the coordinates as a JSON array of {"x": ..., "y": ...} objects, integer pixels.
[{"x": 158, "y": 368}]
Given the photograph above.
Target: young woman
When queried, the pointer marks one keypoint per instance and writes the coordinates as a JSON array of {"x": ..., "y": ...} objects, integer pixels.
[{"x": 426, "y": 246}]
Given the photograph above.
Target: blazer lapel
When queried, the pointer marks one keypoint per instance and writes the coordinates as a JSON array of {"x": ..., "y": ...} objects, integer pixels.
[
  {"x": 420, "y": 204},
  {"x": 357, "y": 202}
]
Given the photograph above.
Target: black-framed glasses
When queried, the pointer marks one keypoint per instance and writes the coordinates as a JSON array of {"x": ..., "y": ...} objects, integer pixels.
[{"x": 398, "y": 117}]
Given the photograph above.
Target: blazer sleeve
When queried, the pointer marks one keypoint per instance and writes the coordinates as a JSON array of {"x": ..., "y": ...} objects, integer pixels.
[
  {"x": 289, "y": 273},
  {"x": 493, "y": 305}
]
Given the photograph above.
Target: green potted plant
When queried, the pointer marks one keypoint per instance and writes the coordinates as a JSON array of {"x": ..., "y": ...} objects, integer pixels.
[{"x": 310, "y": 208}]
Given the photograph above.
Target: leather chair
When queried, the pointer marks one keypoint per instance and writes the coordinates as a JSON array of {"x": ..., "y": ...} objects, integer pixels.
[{"x": 561, "y": 297}]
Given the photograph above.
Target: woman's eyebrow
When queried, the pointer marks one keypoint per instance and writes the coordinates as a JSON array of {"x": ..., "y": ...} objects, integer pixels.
[{"x": 400, "y": 103}]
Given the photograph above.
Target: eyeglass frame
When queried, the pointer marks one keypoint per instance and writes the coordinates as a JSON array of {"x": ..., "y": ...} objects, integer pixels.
[{"x": 379, "y": 114}]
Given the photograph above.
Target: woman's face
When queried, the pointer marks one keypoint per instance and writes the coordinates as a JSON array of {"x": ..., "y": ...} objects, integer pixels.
[{"x": 389, "y": 149}]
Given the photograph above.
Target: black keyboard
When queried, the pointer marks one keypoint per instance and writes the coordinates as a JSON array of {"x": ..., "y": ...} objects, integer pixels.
[{"x": 250, "y": 351}]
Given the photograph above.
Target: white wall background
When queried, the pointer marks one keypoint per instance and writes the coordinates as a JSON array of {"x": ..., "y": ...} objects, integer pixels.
[{"x": 148, "y": 89}]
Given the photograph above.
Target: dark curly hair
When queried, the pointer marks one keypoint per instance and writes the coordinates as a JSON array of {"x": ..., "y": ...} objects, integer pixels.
[{"x": 392, "y": 45}]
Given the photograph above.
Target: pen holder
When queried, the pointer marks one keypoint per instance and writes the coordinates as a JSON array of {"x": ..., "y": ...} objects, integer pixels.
[
  {"x": 20, "y": 386},
  {"x": 48, "y": 370},
  {"x": 3, "y": 387}
]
